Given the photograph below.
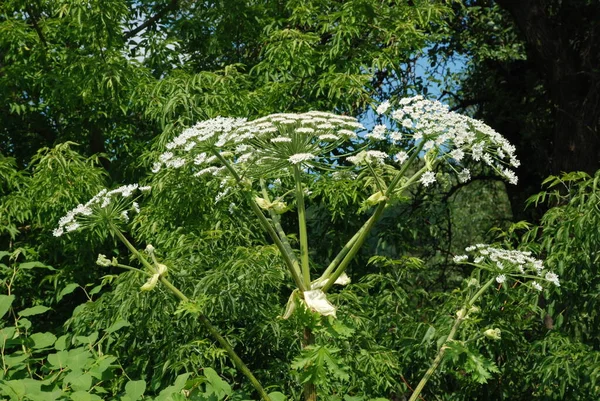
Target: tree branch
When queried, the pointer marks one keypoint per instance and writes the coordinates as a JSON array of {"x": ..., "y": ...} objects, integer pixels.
[
  {"x": 170, "y": 7},
  {"x": 35, "y": 25}
]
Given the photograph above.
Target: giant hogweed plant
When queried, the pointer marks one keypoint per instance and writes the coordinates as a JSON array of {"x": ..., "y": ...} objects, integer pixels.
[{"x": 270, "y": 163}]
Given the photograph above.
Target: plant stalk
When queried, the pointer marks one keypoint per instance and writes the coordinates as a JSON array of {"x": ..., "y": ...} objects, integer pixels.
[
  {"x": 237, "y": 361},
  {"x": 287, "y": 257},
  {"x": 310, "y": 390},
  {"x": 440, "y": 355},
  {"x": 347, "y": 253},
  {"x": 302, "y": 227}
]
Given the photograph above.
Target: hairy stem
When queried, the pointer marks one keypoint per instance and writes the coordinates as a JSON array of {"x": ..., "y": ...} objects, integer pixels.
[
  {"x": 275, "y": 219},
  {"x": 310, "y": 390}
]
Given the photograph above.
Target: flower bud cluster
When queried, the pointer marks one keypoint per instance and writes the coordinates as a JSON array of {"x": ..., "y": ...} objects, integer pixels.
[{"x": 509, "y": 263}]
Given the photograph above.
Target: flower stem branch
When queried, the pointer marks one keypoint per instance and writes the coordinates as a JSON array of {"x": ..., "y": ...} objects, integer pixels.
[
  {"x": 237, "y": 361},
  {"x": 349, "y": 251},
  {"x": 461, "y": 315},
  {"x": 275, "y": 219},
  {"x": 287, "y": 257},
  {"x": 133, "y": 269}
]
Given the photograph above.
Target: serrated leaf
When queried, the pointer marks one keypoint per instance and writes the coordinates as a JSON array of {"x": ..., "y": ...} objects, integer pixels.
[
  {"x": 36, "y": 310},
  {"x": 215, "y": 385}
]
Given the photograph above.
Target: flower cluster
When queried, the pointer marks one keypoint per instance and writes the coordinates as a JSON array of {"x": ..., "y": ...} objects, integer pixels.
[
  {"x": 274, "y": 144},
  {"x": 450, "y": 135},
  {"x": 275, "y": 141},
  {"x": 101, "y": 200},
  {"x": 509, "y": 263}
]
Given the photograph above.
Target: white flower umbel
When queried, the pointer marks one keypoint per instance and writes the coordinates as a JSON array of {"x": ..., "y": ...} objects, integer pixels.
[
  {"x": 274, "y": 143},
  {"x": 509, "y": 264},
  {"x": 103, "y": 200},
  {"x": 457, "y": 138}
]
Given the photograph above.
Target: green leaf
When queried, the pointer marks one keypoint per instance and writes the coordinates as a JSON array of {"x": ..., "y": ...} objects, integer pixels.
[
  {"x": 91, "y": 339},
  {"x": 167, "y": 393},
  {"x": 215, "y": 385},
  {"x": 58, "y": 360},
  {"x": 5, "y": 303},
  {"x": 69, "y": 288},
  {"x": 6, "y": 334},
  {"x": 119, "y": 324},
  {"x": 84, "y": 396},
  {"x": 42, "y": 340},
  {"x": 32, "y": 265},
  {"x": 135, "y": 389},
  {"x": 79, "y": 359},
  {"x": 79, "y": 381},
  {"x": 101, "y": 364},
  {"x": 45, "y": 395},
  {"x": 36, "y": 310},
  {"x": 15, "y": 359},
  {"x": 61, "y": 343},
  {"x": 277, "y": 396}
]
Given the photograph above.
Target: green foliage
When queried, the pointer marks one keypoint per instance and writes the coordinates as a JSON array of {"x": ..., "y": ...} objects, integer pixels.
[{"x": 80, "y": 72}]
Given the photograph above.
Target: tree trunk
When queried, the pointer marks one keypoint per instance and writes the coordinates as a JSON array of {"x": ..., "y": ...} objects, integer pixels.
[{"x": 561, "y": 45}]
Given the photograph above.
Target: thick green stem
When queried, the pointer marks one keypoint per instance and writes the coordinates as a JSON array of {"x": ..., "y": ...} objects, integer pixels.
[
  {"x": 302, "y": 226},
  {"x": 288, "y": 258},
  {"x": 461, "y": 315},
  {"x": 310, "y": 390},
  {"x": 340, "y": 256},
  {"x": 345, "y": 256},
  {"x": 364, "y": 232},
  {"x": 237, "y": 361},
  {"x": 275, "y": 219}
]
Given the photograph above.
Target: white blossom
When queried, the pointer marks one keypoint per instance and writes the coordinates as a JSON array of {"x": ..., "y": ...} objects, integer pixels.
[
  {"x": 464, "y": 175},
  {"x": 553, "y": 278},
  {"x": 102, "y": 199},
  {"x": 427, "y": 178},
  {"x": 316, "y": 300},
  {"x": 301, "y": 157},
  {"x": 383, "y": 107}
]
